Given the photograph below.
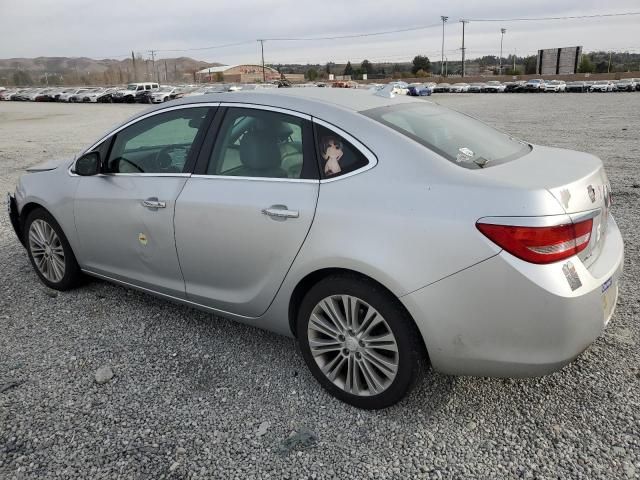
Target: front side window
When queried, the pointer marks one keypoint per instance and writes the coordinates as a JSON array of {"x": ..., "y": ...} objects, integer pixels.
[
  {"x": 262, "y": 143},
  {"x": 157, "y": 144},
  {"x": 457, "y": 137},
  {"x": 337, "y": 156}
]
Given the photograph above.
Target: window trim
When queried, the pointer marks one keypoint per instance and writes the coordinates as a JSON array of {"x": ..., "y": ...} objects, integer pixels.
[
  {"x": 368, "y": 154},
  {"x": 213, "y": 107},
  {"x": 205, "y": 153}
]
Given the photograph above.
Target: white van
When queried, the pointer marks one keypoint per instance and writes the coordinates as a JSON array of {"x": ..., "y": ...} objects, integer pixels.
[{"x": 128, "y": 95}]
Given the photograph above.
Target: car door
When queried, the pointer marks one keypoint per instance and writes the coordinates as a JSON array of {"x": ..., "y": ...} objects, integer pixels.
[
  {"x": 243, "y": 216},
  {"x": 124, "y": 216}
]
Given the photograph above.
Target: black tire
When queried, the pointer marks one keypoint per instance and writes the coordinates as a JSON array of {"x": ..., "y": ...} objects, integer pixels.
[
  {"x": 411, "y": 351},
  {"x": 72, "y": 274}
]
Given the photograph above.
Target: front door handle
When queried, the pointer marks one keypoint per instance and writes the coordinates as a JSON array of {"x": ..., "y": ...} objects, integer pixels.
[
  {"x": 280, "y": 211},
  {"x": 153, "y": 203}
]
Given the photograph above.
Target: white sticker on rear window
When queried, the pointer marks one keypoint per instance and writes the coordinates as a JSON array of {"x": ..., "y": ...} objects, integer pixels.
[{"x": 464, "y": 155}]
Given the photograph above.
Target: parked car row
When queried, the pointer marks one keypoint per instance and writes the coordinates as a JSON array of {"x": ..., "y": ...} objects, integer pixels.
[
  {"x": 147, "y": 92},
  {"x": 540, "y": 85}
]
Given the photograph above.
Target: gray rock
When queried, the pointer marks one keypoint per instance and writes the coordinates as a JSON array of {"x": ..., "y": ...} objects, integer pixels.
[
  {"x": 300, "y": 440},
  {"x": 103, "y": 375},
  {"x": 262, "y": 429}
]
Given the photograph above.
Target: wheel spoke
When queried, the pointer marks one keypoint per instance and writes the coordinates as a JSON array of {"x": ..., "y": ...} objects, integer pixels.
[
  {"x": 350, "y": 306},
  {"x": 319, "y": 324},
  {"x": 374, "y": 383},
  {"x": 369, "y": 317},
  {"x": 385, "y": 341},
  {"x": 58, "y": 267},
  {"x": 35, "y": 238},
  {"x": 319, "y": 347},
  {"x": 384, "y": 365},
  {"x": 332, "y": 368},
  {"x": 329, "y": 308}
]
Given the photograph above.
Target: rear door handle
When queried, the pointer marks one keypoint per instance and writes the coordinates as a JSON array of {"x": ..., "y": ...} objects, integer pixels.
[
  {"x": 153, "y": 203},
  {"x": 280, "y": 211}
]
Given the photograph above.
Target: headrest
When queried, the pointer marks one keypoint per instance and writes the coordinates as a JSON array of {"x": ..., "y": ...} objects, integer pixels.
[{"x": 259, "y": 150}]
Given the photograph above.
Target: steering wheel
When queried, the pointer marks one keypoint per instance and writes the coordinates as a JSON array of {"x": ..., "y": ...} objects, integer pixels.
[
  {"x": 162, "y": 159},
  {"x": 121, "y": 160}
]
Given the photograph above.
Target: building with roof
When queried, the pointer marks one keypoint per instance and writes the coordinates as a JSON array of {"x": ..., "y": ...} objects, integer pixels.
[{"x": 244, "y": 73}]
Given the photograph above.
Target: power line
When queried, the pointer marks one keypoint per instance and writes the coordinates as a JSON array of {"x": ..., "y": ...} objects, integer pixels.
[
  {"x": 571, "y": 17},
  {"x": 355, "y": 35},
  {"x": 208, "y": 48}
]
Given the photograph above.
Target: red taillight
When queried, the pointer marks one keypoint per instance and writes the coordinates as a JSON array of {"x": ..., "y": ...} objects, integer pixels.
[{"x": 540, "y": 244}]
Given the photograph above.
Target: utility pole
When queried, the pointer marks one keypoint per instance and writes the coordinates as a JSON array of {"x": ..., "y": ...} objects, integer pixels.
[
  {"x": 446, "y": 66},
  {"x": 166, "y": 72},
  {"x": 609, "y": 67},
  {"x": 133, "y": 59},
  {"x": 444, "y": 20},
  {"x": 503, "y": 31},
  {"x": 514, "y": 61},
  {"x": 153, "y": 65},
  {"x": 264, "y": 75},
  {"x": 463, "y": 49}
]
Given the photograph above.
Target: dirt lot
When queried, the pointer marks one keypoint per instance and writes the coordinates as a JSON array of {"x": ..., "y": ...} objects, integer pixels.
[{"x": 200, "y": 397}]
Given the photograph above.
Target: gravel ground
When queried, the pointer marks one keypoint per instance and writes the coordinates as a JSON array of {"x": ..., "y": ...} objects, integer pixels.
[{"x": 193, "y": 396}]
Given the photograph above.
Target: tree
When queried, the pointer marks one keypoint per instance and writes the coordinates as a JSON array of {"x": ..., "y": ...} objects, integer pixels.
[
  {"x": 421, "y": 73},
  {"x": 585, "y": 65},
  {"x": 602, "y": 66},
  {"x": 312, "y": 74},
  {"x": 530, "y": 64},
  {"x": 366, "y": 67},
  {"x": 421, "y": 62},
  {"x": 22, "y": 78},
  {"x": 329, "y": 66},
  {"x": 348, "y": 70}
]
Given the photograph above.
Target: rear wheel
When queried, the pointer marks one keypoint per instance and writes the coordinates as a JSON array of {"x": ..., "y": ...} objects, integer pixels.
[
  {"x": 359, "y": 342},
  {"x": 50, "y": 252}
]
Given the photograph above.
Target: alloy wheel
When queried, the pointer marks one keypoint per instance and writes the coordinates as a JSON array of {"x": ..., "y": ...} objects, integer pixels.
[
  {"x": 47, "y": 250},
  {"x": 353, "y": 345}
]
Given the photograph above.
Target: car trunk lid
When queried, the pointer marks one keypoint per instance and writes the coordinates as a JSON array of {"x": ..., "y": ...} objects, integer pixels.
[{"x": 576, "y": 180}]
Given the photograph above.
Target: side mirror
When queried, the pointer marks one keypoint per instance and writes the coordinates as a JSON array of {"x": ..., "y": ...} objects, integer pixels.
[{"x": 88, "y": 164}]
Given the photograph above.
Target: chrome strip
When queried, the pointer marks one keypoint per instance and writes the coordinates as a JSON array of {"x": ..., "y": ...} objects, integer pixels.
[
  {"x": 257, "y": 179},
  {"x": 582, "y": 216},
  {"x": 544, "y": 221},
  {"x": 373, "y": 160},
  {"x": 135, "y": 120},
  {"x": 164, "y": 295},
  {"x": 266, "y": 107}
]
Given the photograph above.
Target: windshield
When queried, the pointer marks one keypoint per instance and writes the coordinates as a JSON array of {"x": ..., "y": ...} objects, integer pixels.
[
  {"x": 457, "y": 137},
  {"x": 132, "y": 86}
]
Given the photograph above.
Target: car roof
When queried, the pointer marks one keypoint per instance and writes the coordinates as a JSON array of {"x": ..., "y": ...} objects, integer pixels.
[{"x": 305, "y": 100}]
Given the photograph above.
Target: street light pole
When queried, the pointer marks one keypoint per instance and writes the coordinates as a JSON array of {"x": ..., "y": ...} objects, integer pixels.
[
  {"x": 444, "y": 20},
  {"x": 503, "y": 31},
  {"x": 463, "y": 49}
]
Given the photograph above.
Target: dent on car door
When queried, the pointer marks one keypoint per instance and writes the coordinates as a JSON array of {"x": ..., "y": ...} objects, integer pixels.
[
  {"x": 124, "y": 217},
  {"x": 242, "y": 219}
]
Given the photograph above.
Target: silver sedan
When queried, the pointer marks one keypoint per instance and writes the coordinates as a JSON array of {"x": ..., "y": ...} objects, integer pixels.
[{"x": 379, "y": 232}]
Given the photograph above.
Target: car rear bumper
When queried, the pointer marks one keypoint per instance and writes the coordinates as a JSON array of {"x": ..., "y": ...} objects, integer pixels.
[
  {"x": 505, "y": 317},
  {"x": 14, "y": 217}
]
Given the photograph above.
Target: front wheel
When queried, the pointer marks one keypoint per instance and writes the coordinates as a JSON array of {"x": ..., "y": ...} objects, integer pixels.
[
  {"x": 50, "y": 252},
  {"x": 359, "y": 342}
]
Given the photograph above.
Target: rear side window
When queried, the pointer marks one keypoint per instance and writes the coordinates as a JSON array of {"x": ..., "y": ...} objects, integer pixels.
[
  {"x": 457, "y": 137},
  {"x": 336, "y": 155},
  {"x": 263, "y": 143}
]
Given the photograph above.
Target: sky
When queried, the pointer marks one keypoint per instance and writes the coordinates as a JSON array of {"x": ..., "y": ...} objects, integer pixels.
[{"x": 100, "y": 29}]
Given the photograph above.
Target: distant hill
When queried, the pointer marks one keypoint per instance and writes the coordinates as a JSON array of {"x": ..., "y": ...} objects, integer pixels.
[{"x": 83, "y": 70}]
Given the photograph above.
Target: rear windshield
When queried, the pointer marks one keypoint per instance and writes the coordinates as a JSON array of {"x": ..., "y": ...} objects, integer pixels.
[{"x": 457, "y": 137}]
